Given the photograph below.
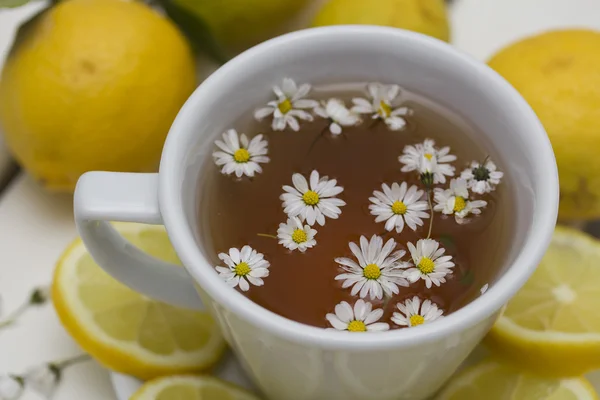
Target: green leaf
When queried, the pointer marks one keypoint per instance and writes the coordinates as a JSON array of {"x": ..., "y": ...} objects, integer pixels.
[
  {"x": 446, "y": 240},
  {"x": 196, "y": 30},
  {"x": 13, "y": 3}
]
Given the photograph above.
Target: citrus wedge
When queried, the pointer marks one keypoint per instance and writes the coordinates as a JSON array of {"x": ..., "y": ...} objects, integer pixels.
[
  {"x": 124, "y": 330},
  {"x": 190, "y": 387},
  {"x": 492, "y": 380},
  {"x": 552, "y": 325}
]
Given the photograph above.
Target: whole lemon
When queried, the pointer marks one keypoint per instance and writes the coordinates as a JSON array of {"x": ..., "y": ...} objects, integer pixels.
[
  {"x": 239, "y": 24},
  {"x": 424, "y": 16},
  {"x": 558, "y": 73},
  {"x": 93, "y": 85}
]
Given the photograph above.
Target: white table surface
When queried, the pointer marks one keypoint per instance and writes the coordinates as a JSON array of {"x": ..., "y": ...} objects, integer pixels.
[{"x": 35, "y": 226}]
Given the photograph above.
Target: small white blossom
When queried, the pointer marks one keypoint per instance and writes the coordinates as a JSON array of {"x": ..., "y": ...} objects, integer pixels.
[
  {"x": 425, "y": 159},
  {"x": 397, "y": 205},
  {"x": 378, "y": 270},
  {"x": 482, "y": 178},
  {"x": 312, "y": 203},
  {"x": 10, "y": 387},
  {"x": 243, "y": 266},
  {"x": 360, "y": 319},
  {"x": 338, "y": 114},
  {"x": 42, "y": 379},
  {"x": 413, "y": 313},
  {"x": 430, "y": 263},
  {"x": 240, "y": 156},
  {"x": 293, "y": 235},
  {"x": 456, "y": 201},
  {"x": 379, "y": 105},
  {"x": 289, "y": 106}
]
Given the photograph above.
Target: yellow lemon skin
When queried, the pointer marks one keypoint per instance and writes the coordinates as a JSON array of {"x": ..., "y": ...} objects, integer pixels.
[
  {"x": 558, "y": 73},
  {"x": 424, "y": 16},
  {"x": 93, "y": 85}
]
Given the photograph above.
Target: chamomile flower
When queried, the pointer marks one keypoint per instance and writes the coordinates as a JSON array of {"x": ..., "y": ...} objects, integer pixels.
[
  {"x": 377, "y": 271},
  {"x": 482, "y": 178},
  {"x": 431, "y": 163},
  {"x": 361, "y": 318},
  {"x": 380, "y": 105},
  {"x": 293, "y": 235},
  {"x": 239, "y": 155},
  {"x": 336, "y": 112},
  {"x": 414, "y": 313},
  {"x": 315, "y": 202},
  {"x": 243, "y": 266},
  {"x": 456, "y": 201},
  {"x": 397, "y": 205},
  {"x": 289, "y": 106},
  {"x": 430, "y": 263}
]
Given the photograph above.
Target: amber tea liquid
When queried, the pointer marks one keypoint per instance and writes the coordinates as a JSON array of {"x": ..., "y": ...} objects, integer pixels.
[{"x": 301, "y": 286}]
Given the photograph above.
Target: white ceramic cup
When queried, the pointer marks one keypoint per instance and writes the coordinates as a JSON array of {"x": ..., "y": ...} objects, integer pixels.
[{"x": 289, "y": 360}]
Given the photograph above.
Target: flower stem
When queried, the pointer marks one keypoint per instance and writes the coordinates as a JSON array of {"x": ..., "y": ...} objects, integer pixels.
[
  {"x": 319, "y": 136},
  {"x": 431, "y": 211},
  {"x": 14, "y": 316},
  {"x": 266, "y": 235},
  {"x": 71, "y": 361}
]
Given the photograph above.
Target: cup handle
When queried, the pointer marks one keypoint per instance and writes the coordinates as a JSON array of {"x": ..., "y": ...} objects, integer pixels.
[{"x": 128, "y": 197}]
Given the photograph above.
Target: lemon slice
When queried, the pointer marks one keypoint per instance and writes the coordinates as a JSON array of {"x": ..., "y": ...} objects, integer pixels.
[
  {"x": 124, "y": 330},
  {"x": 553, "y": 324},
  {"x": 190, "y": 387},
  {"x": 492, "y": 380}
]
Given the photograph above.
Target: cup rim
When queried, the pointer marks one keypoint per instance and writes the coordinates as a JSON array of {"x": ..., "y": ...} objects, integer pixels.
[{"x": 478, "y": 310}]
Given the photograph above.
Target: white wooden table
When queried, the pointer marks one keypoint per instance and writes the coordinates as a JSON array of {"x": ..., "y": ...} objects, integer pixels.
[{"x": 35, "y": 226}]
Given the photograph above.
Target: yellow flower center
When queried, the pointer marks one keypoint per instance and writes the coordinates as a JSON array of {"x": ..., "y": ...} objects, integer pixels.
[
  {"x": 428, "y": 156},
  {"x": 459, "y": 204},
  {"x": 426, "y": 265},
  {"x": 310, "y": 198},
  {"x": 384, "y": 109},
  {"x": 416, "y": 320},
  {"x": 285, "y": 106},
  {"x": 299, "y": 236},
  {"x": 357, "y": 326},
  {"x": 241, "y": 156},
  {"x": 371, "y": 271},
  {"x": 399, "y": 208},
  {"x": 242, "y": 269}
]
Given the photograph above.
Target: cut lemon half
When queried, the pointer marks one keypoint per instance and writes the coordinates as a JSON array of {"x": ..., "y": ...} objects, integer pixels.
[
  {"x": 124, "y": 330},
  {"x": 552, "y": 325},
  {"x": 190, "y": 387},
  {"x": 492, "y": 380}
]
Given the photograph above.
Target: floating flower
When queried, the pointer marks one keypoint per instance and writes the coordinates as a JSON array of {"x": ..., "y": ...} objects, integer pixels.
[
  {"x": 43, "y": 379},
  {"x": 243, "y": 266},
  {"x": 413, "y": 313},
  {"x": 312, "y": 203},
  {"x": 293, "y": 235},
  {"x": 428, "y": 161},
  {"x": 289, "y": 106},
  {"x": 456, "y": 201},
  {"x": 431, "y": 264},
  {"x": 240, "y": 156},
  {"x": 397, "y": 205},
  {"x": 360, "y": 319},
  {"x": 338, "y": 114},
  {"x": 482, "y": 178},
  {"x": 11, "y": 387},
  {"x": 378, "y": 270},
  {"x": 380, "y": 105}
]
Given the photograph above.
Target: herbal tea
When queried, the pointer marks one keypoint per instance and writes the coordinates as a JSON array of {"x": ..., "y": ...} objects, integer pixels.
[{"x": 358, "y": 207}]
